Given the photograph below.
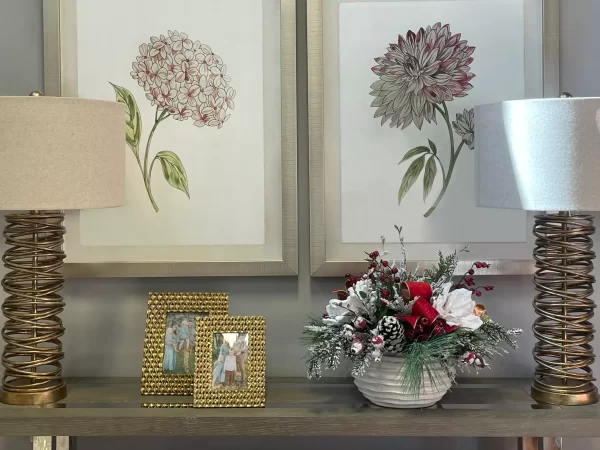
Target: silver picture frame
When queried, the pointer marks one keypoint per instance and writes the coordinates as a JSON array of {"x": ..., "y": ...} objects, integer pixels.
[
  {"x": 322, "y": 264},
  {"x": 287, "y": 265}
]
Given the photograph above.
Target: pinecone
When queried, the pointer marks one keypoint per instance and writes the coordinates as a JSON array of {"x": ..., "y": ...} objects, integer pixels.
[{"x": 392, "y": 331}]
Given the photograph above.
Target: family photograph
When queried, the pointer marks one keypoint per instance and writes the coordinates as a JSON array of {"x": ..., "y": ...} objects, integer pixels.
[
  {"x": 180, "y": 339},
  {"x": 230, "y": 361}
]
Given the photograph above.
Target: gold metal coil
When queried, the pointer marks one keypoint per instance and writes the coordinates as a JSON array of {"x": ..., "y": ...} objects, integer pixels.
[
  {"x": 564, "y": 281},
  {"x": 33, "y": 328}
]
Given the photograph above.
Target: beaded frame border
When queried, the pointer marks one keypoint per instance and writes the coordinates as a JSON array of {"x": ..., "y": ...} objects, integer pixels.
[
  {"x": 254, "y": 395},
  {"x": 154, "y": 380}
]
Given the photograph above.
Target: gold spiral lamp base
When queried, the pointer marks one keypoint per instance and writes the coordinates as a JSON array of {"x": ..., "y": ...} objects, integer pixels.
[
  {"x": 33, "y": 328},
  {"x": 564, "y": 281}
]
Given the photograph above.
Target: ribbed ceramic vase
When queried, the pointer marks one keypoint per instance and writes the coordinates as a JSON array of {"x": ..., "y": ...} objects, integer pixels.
[{"x": 381, "y": 384}]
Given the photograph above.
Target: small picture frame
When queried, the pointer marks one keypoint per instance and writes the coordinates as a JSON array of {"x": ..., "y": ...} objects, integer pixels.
[
  {"x": 230, "y": 362},
  {"x": 169, "y": 362}
]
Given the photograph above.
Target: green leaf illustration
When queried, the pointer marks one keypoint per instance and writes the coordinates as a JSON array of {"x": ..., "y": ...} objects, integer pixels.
[
  {"x": 414, "y": 152},
  {"x": 429, "y": 176},
  {"x": 173, "y": 171},
  {"x": 133, "y": 120},
  {"x": 432, "y": 146},
  {"x": 411, "y": 176}
]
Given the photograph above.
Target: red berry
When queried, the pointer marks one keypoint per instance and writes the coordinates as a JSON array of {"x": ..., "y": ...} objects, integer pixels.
[
  {"x": 471, "y": 272},
  {"x": 373, "y": 265},
  {"x": 348, "y": 275},
  {"x": 375, "y": 254},
  {"x": 385, "y": 263},
  {"x": 478, "y": 265},
  {"x": 478, "y": 294},
  {"x": 397, "y": 280},
  {"x": 382, "y": 277},
  {"x": 385, "y": 293},
  {"x": 394, "y": 270}
]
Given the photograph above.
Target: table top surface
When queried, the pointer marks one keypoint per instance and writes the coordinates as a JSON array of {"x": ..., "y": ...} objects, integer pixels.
[{"x": 299, "y": 407}]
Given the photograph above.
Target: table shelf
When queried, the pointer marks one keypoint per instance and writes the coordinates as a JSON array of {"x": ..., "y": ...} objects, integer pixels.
[{"x": 298, "y": 407}]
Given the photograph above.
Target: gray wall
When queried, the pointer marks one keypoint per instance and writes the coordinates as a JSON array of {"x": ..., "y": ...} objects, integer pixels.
[{"x": 112, "y": 312}]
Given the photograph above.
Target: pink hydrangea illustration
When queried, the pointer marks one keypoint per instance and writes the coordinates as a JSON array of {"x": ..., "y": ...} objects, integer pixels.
[{"x": 183, "y": 79}]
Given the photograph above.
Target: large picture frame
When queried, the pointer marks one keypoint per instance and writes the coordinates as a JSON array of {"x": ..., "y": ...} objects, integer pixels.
[
  {"x": 164, "y": 355},
  {"x": 330, "y": 255},
  {"x": 276, "y": 254}
]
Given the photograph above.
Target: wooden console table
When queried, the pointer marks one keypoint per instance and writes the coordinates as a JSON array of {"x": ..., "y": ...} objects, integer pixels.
[{"x": 296, "y": 407}]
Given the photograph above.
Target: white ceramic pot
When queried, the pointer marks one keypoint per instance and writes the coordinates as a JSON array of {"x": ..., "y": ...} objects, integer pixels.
[{"x": 382, "y": 385}]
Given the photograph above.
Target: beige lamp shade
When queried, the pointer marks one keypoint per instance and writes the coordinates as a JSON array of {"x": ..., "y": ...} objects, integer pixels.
[{"x": 61, "y": 153}]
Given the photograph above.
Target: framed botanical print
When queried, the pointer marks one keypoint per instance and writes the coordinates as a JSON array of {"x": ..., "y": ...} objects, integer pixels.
[
  {"x": 210, "y": 95},
  {"x": 230, "y": 362},
  {"x": 169, "y": 345},
  {"x": 391, "y": 120}
]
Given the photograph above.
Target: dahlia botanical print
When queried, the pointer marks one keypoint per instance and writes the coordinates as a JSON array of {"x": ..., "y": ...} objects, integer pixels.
[
  {"x": 183, "y": 79},
  {"x": 418, "y": 76}
]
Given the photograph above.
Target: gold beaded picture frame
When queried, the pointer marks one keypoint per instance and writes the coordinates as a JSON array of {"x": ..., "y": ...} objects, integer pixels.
[
  {"x": 169, "y": 356},
  {"x": 230, "y": 362}
]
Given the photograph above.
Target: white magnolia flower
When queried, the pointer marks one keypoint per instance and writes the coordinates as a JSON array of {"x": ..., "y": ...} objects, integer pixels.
[
  {"x": 363, "y": 286},
  {"x": 457, "y": 307},
  {"x": 337, "y": 309}
]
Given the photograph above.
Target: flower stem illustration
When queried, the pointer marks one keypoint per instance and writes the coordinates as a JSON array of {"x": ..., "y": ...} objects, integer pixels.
[
  {"x": 183, "y": 79},
  {"x": 418, "y": 76}
]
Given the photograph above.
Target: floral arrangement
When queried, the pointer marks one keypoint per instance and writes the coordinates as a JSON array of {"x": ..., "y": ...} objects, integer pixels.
[
  {"x": 426, "y": 318},
  {"x": 182, "y": 79},
  {"x": 418, "y": 76}
]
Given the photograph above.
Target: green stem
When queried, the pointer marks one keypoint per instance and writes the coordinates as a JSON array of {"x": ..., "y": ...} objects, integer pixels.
[
  {"x": 146, "y": 172},
  {"x": 453, "y": 158}
]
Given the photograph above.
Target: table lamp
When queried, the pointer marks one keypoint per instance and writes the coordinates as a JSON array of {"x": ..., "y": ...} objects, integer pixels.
[
  {"x": 57, "y": 154},
  {"x": 544, "y": 155}
]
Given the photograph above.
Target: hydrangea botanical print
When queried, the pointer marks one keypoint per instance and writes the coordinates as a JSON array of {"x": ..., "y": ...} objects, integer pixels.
[
  {"x": 418, "y": 76},
  {"x": 183, "y": 79}
]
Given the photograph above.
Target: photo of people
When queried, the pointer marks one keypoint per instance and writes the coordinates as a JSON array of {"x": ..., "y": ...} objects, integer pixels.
[
  {"x": 180, "y": 339},
  {"x": 230, "y": 360}
]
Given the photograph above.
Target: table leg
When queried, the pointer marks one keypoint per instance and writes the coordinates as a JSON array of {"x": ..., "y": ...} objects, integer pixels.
[{"x": 51, "y": 443}]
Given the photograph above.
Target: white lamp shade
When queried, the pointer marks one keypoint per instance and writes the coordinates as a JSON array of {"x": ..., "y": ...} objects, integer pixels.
[
  {"x": 539, "y": 155},
  {"x": 61, "y": 153}
]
